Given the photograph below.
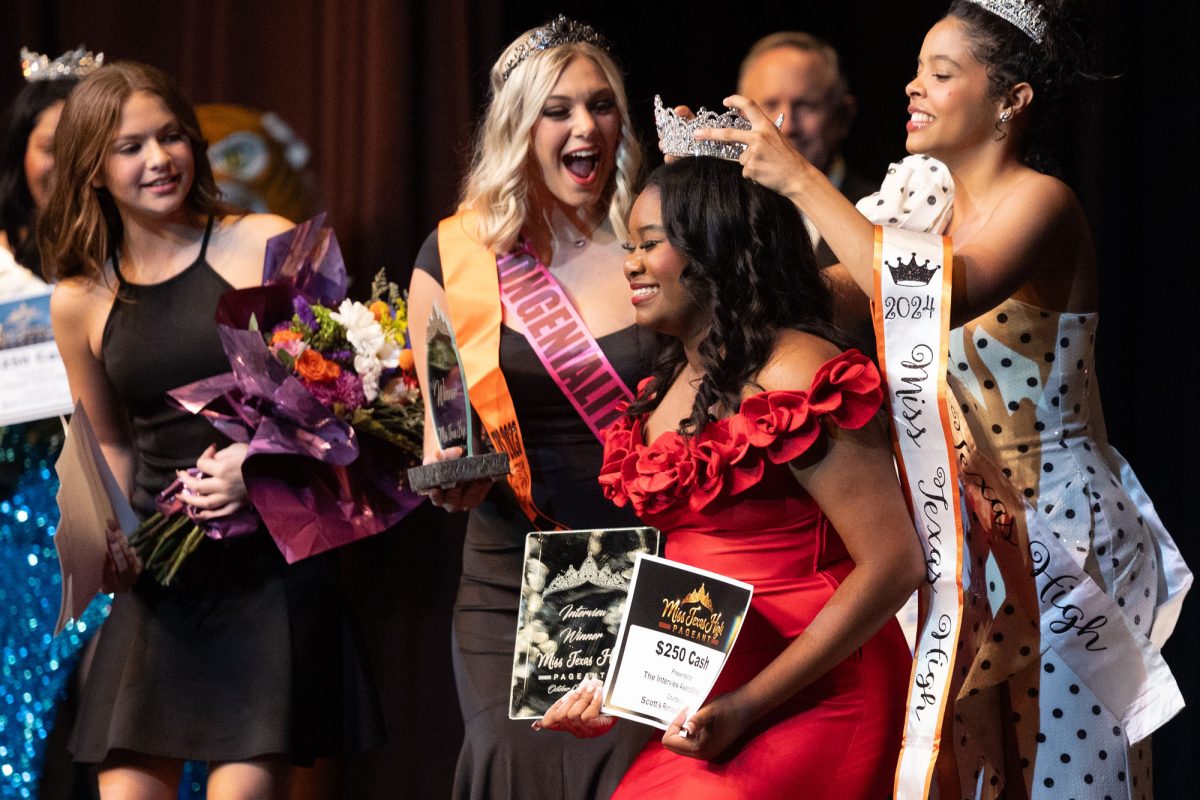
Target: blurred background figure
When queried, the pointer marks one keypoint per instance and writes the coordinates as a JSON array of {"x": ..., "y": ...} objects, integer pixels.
[
  {"x": 40, "y": 666},
  {"x": 259, "y": 162},
  {"x": 795, "y": 74}
]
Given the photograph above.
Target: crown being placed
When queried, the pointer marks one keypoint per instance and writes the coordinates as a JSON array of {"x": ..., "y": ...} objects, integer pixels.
[
  {"x": 675, "y": 134},
  {"x": 910, "y": 273},
  {"x": 588, "y": 572},
  {"x": 71, "y": 64},
  {"x": 557, "y": 32},
  {"x": 1025, "y": 14}
]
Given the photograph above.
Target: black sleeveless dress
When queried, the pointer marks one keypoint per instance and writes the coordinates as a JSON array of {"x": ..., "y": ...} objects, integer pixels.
[
  {"x": 503, "y": 758},
  {"x": 243, "y": 655}
]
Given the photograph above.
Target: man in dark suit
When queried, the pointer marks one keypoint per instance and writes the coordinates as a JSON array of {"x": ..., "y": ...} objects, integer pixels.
[{"x": 798, "y": 75}]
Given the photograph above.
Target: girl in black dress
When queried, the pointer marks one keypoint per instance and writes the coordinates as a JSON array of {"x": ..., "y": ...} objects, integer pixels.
[{"x": 243, "y": 662}]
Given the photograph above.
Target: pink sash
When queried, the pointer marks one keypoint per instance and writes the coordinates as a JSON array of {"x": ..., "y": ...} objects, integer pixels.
[{"x": 561, "y": 340}]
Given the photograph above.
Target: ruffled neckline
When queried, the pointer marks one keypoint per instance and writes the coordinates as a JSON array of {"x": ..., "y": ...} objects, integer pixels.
[{"x": 728, "y": 456}]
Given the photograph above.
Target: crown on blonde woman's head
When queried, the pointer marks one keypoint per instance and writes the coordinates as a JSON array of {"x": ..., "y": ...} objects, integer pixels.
[
  {"x": 1024, "y": 14},
  {"x": 558, "y": 31},
  {"x": 675, "y": 134},
  {"x": 76, "y": 63}
]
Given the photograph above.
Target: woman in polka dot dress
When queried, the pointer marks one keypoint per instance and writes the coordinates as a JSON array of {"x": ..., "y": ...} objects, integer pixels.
[{"x": 1043, "y": 675}]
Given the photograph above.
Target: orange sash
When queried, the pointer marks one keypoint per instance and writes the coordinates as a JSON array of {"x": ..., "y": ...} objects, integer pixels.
[{"x": 472, "y": 285}]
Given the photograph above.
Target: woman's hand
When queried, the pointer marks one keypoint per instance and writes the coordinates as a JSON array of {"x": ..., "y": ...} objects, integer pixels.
[
  {"x": 121, "y": 564},
  {"x": 461, "y": 496},
  {"x": 220, "y": 490},
  {"x": 769, "y": 158},
  {"x": 710, "y": 731},
  {"x": 578, "y": 712}
]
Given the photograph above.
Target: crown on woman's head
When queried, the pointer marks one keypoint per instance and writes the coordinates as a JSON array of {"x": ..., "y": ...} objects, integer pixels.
[
  {"x": 675, "y": 132},
  {"x": 558, "y": 31},
  {"x": 1025, "y": 14},
  {"x": 71, "y": 64}
]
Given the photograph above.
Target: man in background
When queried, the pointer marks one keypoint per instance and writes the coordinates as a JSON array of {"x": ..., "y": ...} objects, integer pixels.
[{"x": 798, "y": 75}]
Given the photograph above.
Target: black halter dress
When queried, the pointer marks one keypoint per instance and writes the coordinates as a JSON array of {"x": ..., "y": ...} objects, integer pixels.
[{"x": 242, "y": 656}]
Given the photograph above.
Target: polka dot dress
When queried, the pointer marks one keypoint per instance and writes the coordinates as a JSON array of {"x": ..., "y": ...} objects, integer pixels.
[{"x": 1022, "y": 383}]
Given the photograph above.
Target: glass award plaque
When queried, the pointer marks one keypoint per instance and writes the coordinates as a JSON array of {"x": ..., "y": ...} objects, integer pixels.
[
  {"x": 453, "y": 422},
  {"x": 573, "y": 590}
]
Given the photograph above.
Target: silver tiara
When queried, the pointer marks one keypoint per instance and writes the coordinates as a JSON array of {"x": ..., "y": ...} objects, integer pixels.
[
  {"x": 71, "y": 64},
  {"x": 558, "y": 31},
  {"x": 1025, "y": 14},
  {"x": 675, "y": 132}
]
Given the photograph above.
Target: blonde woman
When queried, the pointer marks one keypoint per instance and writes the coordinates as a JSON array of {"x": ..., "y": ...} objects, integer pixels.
[{"x": 549, "y": 186}]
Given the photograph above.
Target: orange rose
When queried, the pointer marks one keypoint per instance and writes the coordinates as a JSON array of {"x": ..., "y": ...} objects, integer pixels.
[
  {"x": 406, "y": 359},
  {"x": 380, "y": 310},
  {"x": 313, "y": 366},
  {"x": 285, "y": 335}
]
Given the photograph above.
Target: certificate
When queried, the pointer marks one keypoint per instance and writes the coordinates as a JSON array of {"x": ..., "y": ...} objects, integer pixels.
[
  {"x": 573, "y": 590},
  {"x": 33, "y": 381},
  {"x": 680, "y": 624}
]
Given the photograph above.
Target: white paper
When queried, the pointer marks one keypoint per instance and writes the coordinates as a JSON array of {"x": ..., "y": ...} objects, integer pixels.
[
  {"x": 679, "y": 625},
  {"x": 33, "y": 381}
]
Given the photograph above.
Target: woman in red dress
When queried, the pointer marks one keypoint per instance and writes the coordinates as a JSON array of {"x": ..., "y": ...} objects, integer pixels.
[{"x": 757, "y": 447}]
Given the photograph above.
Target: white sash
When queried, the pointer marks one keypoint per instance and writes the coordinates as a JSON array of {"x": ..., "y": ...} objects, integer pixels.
[{"x": 912, "y": 322}]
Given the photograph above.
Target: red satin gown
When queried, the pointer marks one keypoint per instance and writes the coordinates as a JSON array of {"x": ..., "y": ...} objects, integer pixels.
[{"x": 729, "y": 504}]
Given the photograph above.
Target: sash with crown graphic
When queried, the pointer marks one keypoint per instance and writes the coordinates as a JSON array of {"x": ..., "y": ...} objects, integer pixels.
[
  {"x": 912, "y": 325},
  {"x": 573, "y": 589}
]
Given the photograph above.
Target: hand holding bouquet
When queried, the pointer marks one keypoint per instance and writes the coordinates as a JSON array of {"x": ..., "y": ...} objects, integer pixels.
[{"x": 310, "y": 372}]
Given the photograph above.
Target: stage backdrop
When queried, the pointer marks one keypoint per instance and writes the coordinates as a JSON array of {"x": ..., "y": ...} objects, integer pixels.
[{"x": 386, "y": 92}]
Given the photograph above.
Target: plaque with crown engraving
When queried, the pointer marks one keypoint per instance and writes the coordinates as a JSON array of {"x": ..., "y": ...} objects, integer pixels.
[
  {"x": 573, "y": 591},
  {"x": 679, "y": 625},
  {"x": 450, "y": 409}
]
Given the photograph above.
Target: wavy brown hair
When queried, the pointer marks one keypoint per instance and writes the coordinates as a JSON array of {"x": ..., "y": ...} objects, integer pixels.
[{"x": 81, "y": 226}]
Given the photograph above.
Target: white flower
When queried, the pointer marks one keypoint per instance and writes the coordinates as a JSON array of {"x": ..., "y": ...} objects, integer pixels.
[{"x": 373, "y": 350}]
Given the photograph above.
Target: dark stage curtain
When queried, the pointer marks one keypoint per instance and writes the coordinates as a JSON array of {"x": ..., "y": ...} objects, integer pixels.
[{"x": 387, "y": 92}]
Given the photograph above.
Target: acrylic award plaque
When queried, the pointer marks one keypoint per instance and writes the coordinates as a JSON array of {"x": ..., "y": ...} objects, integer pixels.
[
  {"x": 453, "y": 422},
  {"x": 573, "y": 590}
]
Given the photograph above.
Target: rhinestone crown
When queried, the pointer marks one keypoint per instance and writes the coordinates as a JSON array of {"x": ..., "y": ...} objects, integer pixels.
[
  {"x": 675, "y": 132},
  {"x": 558, "y": 31},
  {"x": 1025, "y": 14},
  {"x": 71, "y": 64}
]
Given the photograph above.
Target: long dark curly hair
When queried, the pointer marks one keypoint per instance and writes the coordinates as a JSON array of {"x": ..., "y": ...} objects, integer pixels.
[
  {"x": 750, "y": 269},
  {"x": 1065, "y": 59}
]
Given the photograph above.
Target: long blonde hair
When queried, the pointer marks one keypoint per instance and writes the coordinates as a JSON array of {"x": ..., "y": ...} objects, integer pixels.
[
  {"x": 498, "y": 185},
  {"x": 81, "y": 226}
]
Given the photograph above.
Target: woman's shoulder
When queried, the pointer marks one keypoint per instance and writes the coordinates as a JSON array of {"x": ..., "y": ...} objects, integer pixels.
[
  {"x": 1036, "y": 194},
  {"x": 75, "y": 299},
  {"x": 797, "y": 360},
  {"x": 250, "y": 229},
  {"x": 239, "y": 244}
]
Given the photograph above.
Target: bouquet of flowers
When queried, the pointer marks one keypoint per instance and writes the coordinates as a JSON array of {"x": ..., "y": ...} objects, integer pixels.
[
  {"x": 353, "y": 359},
  {"x": 322, "y": 389}
]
